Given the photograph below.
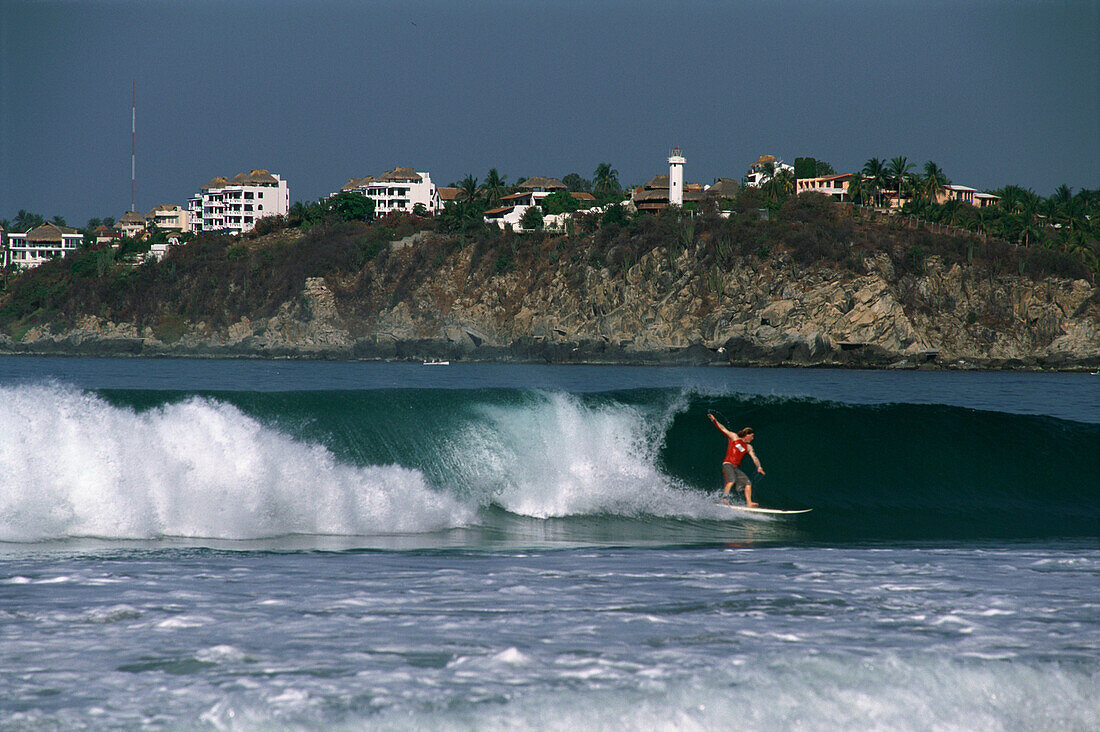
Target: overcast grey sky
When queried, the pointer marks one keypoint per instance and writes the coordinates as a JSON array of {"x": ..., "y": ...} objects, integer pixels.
[{"x": 995, "y": 92}]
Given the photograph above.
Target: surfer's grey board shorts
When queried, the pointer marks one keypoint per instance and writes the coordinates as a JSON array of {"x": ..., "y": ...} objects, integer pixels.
[{"x": 735, "y": 474}]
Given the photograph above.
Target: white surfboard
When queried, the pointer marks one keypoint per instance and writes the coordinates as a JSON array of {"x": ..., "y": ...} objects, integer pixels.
[{"x": 772, "y": 511}]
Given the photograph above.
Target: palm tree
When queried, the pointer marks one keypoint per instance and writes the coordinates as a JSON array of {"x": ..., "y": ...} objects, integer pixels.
[
  {"x": 1028, "y": 228},
  {"x": 606, "y": 180},
  {"x": 786, "y": 182},
  {"x": 933, "y": 183},
  {"x": 493, "y": 187},
  {"x": 25, "y": 221},
  {"x": 857, "y": 188},
  {"x": 768, "y": 184},
  {"x": 875, "y": 170},
  {"x": 899, "y": 172},
  {"x": 469, "y": 188}
]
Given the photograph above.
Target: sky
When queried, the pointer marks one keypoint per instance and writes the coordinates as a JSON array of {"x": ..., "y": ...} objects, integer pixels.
[{"x": 995, "y": 92}]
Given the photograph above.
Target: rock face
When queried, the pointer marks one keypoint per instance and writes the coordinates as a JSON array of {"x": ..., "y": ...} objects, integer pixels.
[{"x": 773, "y": 313}]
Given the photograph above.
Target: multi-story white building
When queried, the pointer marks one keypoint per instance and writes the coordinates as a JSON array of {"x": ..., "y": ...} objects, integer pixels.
[
  {"x": 42, "y": 244},
  {"x": 400, "y": 189},
  {"x": 235, "y": 205},
  {"x": 169, "y": 217}
]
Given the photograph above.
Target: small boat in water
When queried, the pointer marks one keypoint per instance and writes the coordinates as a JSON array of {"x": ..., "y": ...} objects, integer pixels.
[{"x": 436, "y": 362}]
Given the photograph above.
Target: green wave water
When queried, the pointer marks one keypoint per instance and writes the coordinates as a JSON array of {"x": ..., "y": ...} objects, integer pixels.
[{"x": 894, "y": 471}]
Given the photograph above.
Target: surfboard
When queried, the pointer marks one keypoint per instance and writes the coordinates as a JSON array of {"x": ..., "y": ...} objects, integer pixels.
[{"x": 771, "y": 511}]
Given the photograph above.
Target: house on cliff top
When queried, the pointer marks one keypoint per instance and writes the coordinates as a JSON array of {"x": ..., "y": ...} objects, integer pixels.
[
  {"x": 41, "y": 244},
  {"x": 400, "y": 189}
]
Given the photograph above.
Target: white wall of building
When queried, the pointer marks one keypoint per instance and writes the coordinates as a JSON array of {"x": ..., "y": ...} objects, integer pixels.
[
  {"x": 400, "y": 195},
  {"x": 235, "y": 208},
  {"x": 676, "y": 178},
  {"x": 25, "y": 254}
]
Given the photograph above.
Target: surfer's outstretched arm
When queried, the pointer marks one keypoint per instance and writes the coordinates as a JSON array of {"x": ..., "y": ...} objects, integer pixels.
[{"x": 721, "y": 428}]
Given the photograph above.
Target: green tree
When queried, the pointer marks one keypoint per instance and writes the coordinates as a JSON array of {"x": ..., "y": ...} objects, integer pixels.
[
  {"x": 899, "y": 172},
  {"x": 576, "y": 184},
  {"x": 858, "y": 189},
  {"x": 777, "y": 183},
  {"x": 25, "y": 221},
  {"x": 350, "y": 207},
  {"x": 811, "y": 168},
  {"x": 469, "y": 192},
  {"x": 304, "y": 214},
  {"x": 531, "y": 219},
  {"x": 606, "y": 181},
  {"x": 559, "y": 203},
  {"x": 59, "y": 220},
  {"x": 493, "y": 188},
  {"x": 875, "y": 170},
  {"x": 933, "y": 183}
]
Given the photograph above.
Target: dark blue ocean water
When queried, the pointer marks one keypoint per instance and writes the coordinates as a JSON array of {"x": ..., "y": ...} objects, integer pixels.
[{"x": 300, "y": 545}]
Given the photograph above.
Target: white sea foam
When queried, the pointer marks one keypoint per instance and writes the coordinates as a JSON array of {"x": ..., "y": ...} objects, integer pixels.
[
  {"x": 556, "y": 456},
  {"x": 76, "y": 466}
]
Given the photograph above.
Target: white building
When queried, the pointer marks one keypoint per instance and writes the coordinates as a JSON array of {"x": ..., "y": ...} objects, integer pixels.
[
  {"x": 42, "y": 244},
  {"x": 755, "y": 176},
  {"x": 533, "y": 191},
  {"x": 235, "y": 205},
  {"x": 676, "y": 178},
  {"x": 400, "y": 189},
  {"x": 169, "y": 217}
]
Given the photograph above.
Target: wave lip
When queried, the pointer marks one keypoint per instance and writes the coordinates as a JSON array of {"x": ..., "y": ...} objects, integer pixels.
[{"x": 77, "y": 466}]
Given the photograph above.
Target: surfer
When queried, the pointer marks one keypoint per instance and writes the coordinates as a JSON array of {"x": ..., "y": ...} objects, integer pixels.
[{"x": 739, "y": 446}]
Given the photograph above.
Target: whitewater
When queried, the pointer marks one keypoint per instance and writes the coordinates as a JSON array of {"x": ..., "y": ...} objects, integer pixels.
[{"x": 234, "y": 545}]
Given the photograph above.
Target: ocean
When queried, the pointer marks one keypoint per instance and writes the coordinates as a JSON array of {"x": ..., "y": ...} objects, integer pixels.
[{"x": 247, "y": 545}]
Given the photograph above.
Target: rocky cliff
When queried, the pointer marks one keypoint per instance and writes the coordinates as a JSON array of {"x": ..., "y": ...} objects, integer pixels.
[{"x": 659, "y": 310}]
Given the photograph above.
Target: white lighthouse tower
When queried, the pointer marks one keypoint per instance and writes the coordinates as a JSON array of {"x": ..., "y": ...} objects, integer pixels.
[{"x": 676, "y": 178}]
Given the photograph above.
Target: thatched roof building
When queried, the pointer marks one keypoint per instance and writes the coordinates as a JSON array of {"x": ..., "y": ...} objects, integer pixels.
[
  {"x": 49, "y": 233},
  {"x": 542, "y": 183}
]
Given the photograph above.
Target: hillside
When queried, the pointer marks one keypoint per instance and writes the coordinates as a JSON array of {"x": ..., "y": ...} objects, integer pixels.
[{"x": 813, "y": 285}]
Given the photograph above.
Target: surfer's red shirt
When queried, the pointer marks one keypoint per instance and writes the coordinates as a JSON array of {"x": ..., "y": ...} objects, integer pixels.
[{"x": 735, "y": 453}]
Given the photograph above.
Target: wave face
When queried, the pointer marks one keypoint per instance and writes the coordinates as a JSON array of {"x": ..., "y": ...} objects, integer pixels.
[{"x": 247, "y": 465}]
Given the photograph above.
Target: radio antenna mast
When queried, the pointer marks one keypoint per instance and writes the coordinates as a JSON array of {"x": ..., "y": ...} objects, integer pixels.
[{"x": 133, "y": 145}]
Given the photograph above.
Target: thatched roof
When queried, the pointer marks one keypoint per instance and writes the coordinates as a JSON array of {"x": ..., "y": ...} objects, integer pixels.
[
  {"x": 448, "y": 194},
  {"x": 104, "y": 230},
  {"x": 400, "y": 175},
  {"x": 256, "y": 176},
  {"x": 132, "y": 217},
  {"x": 218, "y": 181},
  {"x": 49, "y": 232},
  {"x": 657, "y": 182},
  {"x": 650, "y": 195},
  {"x": 170, "y": 207},
  {"x": 764, "y": 159},
  {"x": 355, "y": 184},
  {"x": 724, "y": 188},
  {"x": 546, "y": 184}
]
